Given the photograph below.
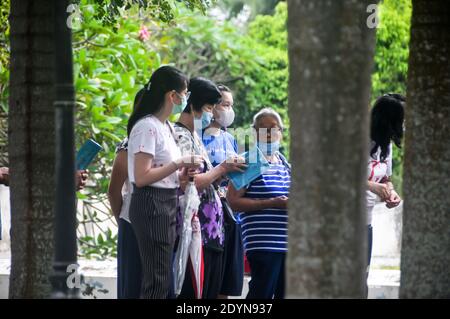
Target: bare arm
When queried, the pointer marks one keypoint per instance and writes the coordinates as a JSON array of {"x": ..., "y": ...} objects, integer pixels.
[
  {"x": 239, "y": 203},
  {"x": 145, "y": 174},
  {"x": 389, "y": 185},
  {"x": 203, "y": 180},
  {"x": 119, "y": 175},
  {"x": 219, "y": 172},
  {"x": 380, "y": 189},
  {"x": 394, "y": 199}
]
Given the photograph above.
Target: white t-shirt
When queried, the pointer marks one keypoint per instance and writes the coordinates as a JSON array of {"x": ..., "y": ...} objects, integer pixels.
[
  {"x": 149, "y": 135},
  {"x": 376, "y": 171}
]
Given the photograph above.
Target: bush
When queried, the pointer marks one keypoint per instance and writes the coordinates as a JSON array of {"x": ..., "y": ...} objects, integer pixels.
[{"x": 110, "y": 66}]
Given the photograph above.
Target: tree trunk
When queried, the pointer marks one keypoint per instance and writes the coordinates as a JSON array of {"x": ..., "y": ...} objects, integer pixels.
[
  {"x": 426, "y": 216},
  {"x": 31, "y": 147},
  {"x": 331, "y": 57}
]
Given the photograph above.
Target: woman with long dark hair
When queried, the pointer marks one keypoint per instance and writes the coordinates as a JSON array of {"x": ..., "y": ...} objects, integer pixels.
[
  {"x": 386, "y": 127},
  {"x": 153, "y": 163}
]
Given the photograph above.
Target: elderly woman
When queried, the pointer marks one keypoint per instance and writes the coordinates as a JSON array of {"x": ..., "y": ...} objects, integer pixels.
[{"x": 263, "y": 204}]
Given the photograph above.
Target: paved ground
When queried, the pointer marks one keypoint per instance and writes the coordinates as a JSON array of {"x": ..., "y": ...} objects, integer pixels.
[{"x": 101, "y": 276}]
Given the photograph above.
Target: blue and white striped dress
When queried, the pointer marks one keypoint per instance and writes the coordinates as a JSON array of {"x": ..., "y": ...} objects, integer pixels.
[{"x": 266, "y": 230}]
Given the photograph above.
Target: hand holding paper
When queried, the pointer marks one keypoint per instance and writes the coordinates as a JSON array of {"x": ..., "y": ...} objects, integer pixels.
[
  {"x": 256, "y": 165},
  {"x": 87, "y": 153}
]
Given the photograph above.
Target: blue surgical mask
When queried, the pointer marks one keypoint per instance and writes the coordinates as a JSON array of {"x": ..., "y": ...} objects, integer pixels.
[
  {"x": 269, "y": 148},
  {"x": 203, "y": 122},
  {"x": 178, "y": 108},
  {"x": 206, "y": 119}
]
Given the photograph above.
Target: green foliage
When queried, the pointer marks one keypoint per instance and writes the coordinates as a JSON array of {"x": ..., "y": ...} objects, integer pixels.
[
  {"x": 268, "y": 87},
  {"x": 4, "y": 32},
  {"x": 257, "y": 7},
  {"x": 101, "y": 247},
  {"x": 4, "y": 78},
  {"x": 392, "y": 48},
  {"x": 4, "y": 88},
  {"x": 112, "y": 61},
  {"x": 4, "y": 55},
  {"x": 109, "y": 11},
  {"x": 252, "y": 62},
  {"x": 110, "y": 67},
  {"x": 202, "y": 46}
]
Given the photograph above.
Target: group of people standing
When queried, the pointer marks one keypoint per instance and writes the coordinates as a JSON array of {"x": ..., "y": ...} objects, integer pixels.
[
  {"x": 156, "y": 161},
  {"x": 154, "y": 164}
]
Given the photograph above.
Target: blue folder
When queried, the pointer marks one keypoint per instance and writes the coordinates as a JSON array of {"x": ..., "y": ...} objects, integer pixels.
[
  {"x": 87, "y": 153},
  {"x": 257, "y": 165}
]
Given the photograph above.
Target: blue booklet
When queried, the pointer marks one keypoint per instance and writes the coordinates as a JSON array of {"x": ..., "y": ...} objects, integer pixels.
[
  {"x": 257, "y": 165},
  {"x": 86, "y": 154}
]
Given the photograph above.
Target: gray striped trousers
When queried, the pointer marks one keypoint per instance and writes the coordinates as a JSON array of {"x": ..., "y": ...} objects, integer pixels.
[{"x": 153, "y": 217}]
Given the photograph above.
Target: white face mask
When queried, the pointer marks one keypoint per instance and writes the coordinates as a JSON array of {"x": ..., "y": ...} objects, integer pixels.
[{"x": 225, "y": 118}]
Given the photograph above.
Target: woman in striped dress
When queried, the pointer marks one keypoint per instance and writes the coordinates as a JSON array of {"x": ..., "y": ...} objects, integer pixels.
[{"x": 264, "y": 206}]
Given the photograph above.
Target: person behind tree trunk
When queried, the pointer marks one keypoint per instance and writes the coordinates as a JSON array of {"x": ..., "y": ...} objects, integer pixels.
[
  {"x": 4, "y": 176},
  {"x": 153, "y": 164},
  {"x": 196, "y": 117},
  {"x": 263, "y": 204},
  {"x": 221, "y": 145},
  {"x": 129, "y": 271},
  {"x": 80, "y": 178},
  {"x": 386, "y": 125}
]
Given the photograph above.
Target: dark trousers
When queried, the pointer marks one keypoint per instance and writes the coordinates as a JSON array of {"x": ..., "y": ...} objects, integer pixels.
[
  {"x": 233, "y": 261},
  {"x": 267, "y": 274},
  {"x": 129, "y": 270},
  {"x": 212, "y": 281},
  {"x": 153, "y": 217}
]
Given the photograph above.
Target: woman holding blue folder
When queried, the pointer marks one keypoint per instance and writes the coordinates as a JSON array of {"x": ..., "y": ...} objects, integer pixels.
[
  {"x": 264, "y": 218},
  {"x": 153, "y": 164}
]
